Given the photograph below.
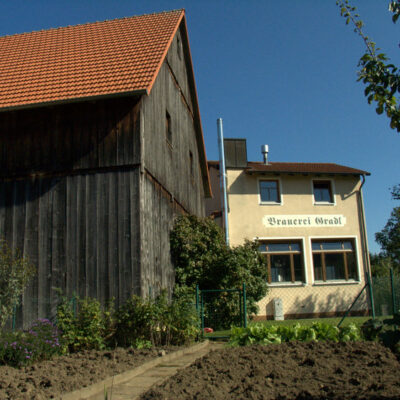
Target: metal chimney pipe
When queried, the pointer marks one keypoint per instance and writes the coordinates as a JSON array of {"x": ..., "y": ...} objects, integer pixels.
[
  {"x": 222, "y": 175},
  {"x": 264, "y": 151}
]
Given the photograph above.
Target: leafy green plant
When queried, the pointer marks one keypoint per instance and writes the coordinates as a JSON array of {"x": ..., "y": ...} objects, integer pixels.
[
  {"x": 15, "y": 273},
  {"x": 86, "y": 330},
  {"x": 267, "y": 334},
  {"x": 201, "y": 257},
  {"x": 157, "y": 321},
  {"x": 20, "y": 348}
]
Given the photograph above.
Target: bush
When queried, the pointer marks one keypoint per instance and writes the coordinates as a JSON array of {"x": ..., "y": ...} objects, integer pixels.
[
  {"x": 15, "y": 273},
  {"x": 201, "y": 257},
  {"x": 86, "y": 330},
  {"x": 20, "y": 348},
  {"x": 157, "y": 322},
  {"x": 267, "y": 334}
]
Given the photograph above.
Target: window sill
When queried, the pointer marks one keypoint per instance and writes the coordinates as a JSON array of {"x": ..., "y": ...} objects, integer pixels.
[
  {"x": 322, "y": 203},
  {"x": 286, "y": 284},
  {"x": 336, "y": 283},
  {"x": 270, "y": 203}
]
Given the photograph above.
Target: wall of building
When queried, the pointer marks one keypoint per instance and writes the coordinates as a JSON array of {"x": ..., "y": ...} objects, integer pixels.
[
  {"x": 309, "y": 297},
  {"x": 172, "y": 180}
]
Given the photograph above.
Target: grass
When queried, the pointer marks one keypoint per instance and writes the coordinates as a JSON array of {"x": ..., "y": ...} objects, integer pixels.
[{"x": 306, "y": 322}]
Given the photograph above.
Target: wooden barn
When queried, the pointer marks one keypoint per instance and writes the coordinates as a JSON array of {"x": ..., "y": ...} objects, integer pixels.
[{"x": 101, "y": 146}]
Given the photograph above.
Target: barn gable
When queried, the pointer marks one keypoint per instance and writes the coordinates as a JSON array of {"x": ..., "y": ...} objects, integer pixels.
[{"x": 89, "y": 182}]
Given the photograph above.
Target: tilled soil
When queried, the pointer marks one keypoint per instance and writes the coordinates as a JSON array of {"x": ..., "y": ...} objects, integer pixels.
[
  {"x": 50, "y": 379},
  {"x": 324, "y": 370}
]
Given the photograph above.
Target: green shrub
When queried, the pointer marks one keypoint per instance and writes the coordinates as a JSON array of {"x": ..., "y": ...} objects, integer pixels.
[
  {"x": 267, "y": 334},
  {"x": 201, "y": 257},
  {"x": 156, "y": 321},
  {"x": 15, "y": 273},
  {"x": 87, "y": 329},
  {"x": 20, "y": 348}
]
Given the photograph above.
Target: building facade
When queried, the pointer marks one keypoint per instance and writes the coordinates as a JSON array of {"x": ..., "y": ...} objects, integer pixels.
[
  {"x": 309, "y": 221},
  {"x": 101, "y": 147}
]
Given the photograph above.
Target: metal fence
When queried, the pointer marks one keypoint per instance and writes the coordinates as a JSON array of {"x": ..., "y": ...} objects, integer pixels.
[{"x": 386, "y": 294}]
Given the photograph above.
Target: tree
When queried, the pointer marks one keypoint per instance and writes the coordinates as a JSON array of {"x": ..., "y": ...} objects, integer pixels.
[
  {"x": 201, "y": 257},
  {"x": 389, "y": 237},
  {"x": 382, "y": 79},
  {"x": 380, "y": 264},
  {"x": 15, "y": 273}
]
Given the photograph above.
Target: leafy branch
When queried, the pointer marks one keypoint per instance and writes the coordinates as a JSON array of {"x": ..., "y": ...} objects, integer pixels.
[{"x": 382, "y": 79}]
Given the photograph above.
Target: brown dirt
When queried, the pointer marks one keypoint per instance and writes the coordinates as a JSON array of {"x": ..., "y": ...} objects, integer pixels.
[
  {"x": 288, "y": 371},
  {"x": 49, "y": 379}
]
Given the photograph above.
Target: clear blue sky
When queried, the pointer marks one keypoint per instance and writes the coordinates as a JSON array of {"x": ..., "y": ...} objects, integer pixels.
[{"x": 281, "y": 73}]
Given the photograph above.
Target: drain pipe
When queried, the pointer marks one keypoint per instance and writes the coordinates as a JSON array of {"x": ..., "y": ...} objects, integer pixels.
[
  {"x": 364, "y": 226},
  {"x": 222, "y": 177}
]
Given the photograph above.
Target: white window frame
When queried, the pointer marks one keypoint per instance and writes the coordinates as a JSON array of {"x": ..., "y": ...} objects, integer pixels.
[
  {"x": 333, "y": 190},
  {"x": 288, "y": 239},
  {"x": 336, "y": 281},
  {"x": 270, "y": 203}
]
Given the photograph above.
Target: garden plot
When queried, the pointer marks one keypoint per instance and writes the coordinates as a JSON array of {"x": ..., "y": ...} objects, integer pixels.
[{"x": 294, "y": 370}]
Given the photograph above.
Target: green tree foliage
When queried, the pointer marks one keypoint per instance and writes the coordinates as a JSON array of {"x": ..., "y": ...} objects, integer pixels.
[
  {"x": 380, "y": 264},
  {"x": 389, "y": 238},
  {"x": 381, "y": 78},
  {"x": 15, "y": 273},
  {"x": 201, "y": 257}
]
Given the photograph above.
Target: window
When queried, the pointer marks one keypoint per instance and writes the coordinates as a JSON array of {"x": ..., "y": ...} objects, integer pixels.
[
  {"x": 269, "y": 191},
  {"x": 191, "y": 163},
  {"x": 322, "y": 192},
  {"x": 168, "y": 128},
  {"x": 334, "y": 260},
  {"x": 284, "y": 261}
]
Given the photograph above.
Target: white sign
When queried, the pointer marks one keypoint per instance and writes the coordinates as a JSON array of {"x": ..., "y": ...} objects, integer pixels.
[{"x": 299, "y": 221}]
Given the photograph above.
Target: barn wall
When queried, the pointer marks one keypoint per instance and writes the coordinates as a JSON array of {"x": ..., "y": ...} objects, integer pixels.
[
  {"x": 80, "y": 231},
  {"x": 69, "y": 200},
  {"x": 170, "y": 185},
  {"x": 69, "y": 137}
]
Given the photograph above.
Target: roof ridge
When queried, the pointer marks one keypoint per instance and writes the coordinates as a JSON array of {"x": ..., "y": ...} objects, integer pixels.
[{"x": 92, "y": 23}]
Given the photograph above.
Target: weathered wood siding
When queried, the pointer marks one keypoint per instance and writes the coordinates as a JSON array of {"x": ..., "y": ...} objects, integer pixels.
[
  {"x": 80, "y": 231},
  {"x": 70, "y": 137},
  {"x": 170, "y": 185},
  {"x": 73, "y": 208}
]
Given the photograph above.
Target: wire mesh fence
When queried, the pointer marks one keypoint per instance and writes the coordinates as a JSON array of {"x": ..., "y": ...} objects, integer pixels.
[{"x": 386, "y": 293}]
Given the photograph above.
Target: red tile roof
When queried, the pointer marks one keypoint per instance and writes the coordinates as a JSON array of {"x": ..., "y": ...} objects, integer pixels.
[
  {"x": 95, "y": 59},
  {"x": 304, "y": 168},
  {"x": 299, "y": 168}
]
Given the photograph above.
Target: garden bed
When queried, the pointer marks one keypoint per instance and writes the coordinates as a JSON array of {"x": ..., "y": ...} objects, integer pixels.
[
  {"x": 50, "y": 379},
  {"x": 294, "y": 370}
]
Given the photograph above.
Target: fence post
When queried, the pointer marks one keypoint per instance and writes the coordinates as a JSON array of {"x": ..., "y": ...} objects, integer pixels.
[
  {"x": 371, "y": 295},
  {"x": 393, "y": 291},
  {"x": 244, "y": 306},
  {"x": 202, "y": 314}
]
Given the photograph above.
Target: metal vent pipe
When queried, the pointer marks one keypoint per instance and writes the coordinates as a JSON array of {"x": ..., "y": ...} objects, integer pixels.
[{"x": 222, "y": 177}]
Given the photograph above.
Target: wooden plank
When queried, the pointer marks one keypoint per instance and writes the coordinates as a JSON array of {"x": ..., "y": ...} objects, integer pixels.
[
  {"x": 44, "y": 247},
  {"x": 72, "y": 281},
  {"x": 58, "y": 274},
  {"x": 91, "y": 237},
  {"x": 82, "y": 289},
  {"x": 102, "y": 237},
  {"x": 30, "y": 295},
  {"x": 135, "y": 229},
  {"x": 113, "y": 262}
]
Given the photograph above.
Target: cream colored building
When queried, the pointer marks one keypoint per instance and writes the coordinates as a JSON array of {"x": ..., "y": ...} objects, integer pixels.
[{"x": 309, "y": 221}]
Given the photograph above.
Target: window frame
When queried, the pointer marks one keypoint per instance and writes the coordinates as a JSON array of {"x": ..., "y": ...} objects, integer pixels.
[
  {"x": 331, "y": 192},
  {"x": 279, "y": 190},
  {"x": 353, "y": 240},
  {"x": 301, "y": 252}
]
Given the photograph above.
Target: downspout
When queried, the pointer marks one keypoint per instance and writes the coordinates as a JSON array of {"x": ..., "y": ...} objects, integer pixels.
[
  {"x": 364, "y": 227},
  {"x": 222, "y": 178}
]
